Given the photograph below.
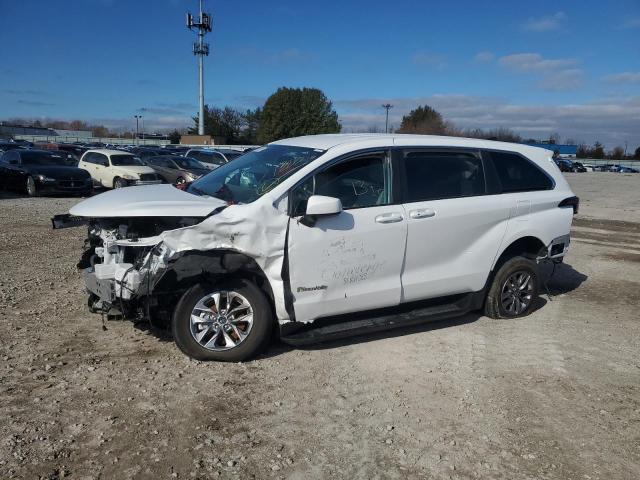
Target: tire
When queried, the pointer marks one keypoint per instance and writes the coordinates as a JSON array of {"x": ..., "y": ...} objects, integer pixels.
[
  {"x": 217, "y": 328},
  {"x": 30, "y": 187},
  {"x": 179, "y": 181},
  {"x": 509, "y": 295},
  {"x": 119, "y": 183}
]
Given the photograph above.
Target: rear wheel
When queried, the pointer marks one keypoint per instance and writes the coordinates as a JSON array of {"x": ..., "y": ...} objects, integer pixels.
[
  {"x": 230, "y": 321},
  {"x": 514, "y": 289},
  {"x": 180, "y": 180},
  {"x": 32, "y": 190}
]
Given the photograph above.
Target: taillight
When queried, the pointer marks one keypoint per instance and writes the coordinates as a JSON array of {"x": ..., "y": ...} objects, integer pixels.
[{"x": 573, "y": 202}]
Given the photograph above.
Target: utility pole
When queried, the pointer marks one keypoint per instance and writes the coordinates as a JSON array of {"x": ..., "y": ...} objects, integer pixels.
[
  {"x": 137, "y": 117},
  {"x": 200, "y": 49},
  {"x": 142, "y": 119},
  {"x": 387, "y": 106}
]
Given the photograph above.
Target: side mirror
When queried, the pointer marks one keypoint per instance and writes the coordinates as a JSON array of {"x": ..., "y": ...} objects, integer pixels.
[{"x": 319, "y": 205}]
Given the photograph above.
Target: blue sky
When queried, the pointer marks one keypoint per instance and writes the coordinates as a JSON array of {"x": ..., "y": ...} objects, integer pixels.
[{"x": 571, "y": 67}]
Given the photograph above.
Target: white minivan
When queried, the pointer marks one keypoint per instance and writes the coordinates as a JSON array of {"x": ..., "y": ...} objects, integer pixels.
[{"x": 324, "y": 236}]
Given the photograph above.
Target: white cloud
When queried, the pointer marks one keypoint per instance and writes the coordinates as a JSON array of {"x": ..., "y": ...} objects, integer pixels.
[
  {"x": 545, "y": 24},
  {"x": 633, "y": 22},
  {"x": 562, "y": 80},
  {"x": 428, "y": 59},
  {"x": 534, "y": 62},
  {"x": 609, "y": 121},
  {"x": 554, "y": 74},
  {"x": 484, "y": 57},
  {"x": 624, "y": 77},
  {"x": 289, "y": 55}
]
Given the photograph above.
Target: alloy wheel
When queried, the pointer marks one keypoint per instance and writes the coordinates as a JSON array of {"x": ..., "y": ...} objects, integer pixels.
[
  {"x": 221, "y": 320},
  {"x": 31, "y": 186},
  {"x": 517, "y": 292}
]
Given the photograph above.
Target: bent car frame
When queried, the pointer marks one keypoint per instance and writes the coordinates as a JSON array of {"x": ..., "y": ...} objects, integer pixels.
[{"x": 323, "y": 236}]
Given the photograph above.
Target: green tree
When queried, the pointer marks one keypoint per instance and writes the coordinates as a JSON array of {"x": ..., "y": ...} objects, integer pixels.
[
  {"x": 249, "y": 134},
  {"x": 583, "y": 151},
  {"x": 224, "y": 122},
  {"x": 636, "y": 154},
  {"x": 598, "y": 150},
  {"x": 174, "y": 137},
  {"x": 291, "y": 112},
  {"x": 423, "y": 120},
  {"x": 618, "y": 153}
]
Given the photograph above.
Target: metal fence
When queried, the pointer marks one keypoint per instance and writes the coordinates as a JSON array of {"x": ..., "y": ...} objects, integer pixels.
[
  {"x": 608, "y": 161},
  {"x": 71, "y": 139}
]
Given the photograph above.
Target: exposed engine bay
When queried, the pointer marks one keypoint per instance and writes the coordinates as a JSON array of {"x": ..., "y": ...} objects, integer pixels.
[{"x": 117, "y": 261}]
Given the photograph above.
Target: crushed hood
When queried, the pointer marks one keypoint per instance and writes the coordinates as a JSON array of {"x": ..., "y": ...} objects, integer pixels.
[{"x": 146, "y": 201}]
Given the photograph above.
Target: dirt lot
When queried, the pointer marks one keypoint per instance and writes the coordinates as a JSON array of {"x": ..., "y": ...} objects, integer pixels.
[{"x": 552, "y": 396}]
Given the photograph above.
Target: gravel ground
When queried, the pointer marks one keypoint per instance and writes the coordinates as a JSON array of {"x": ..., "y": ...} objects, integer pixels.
[{"x": 551, "y": 396}]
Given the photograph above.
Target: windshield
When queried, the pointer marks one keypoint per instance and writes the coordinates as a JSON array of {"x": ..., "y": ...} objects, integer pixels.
[
  {"x": 187, "y": 162},
  {"x": 254, "y": 174},
  {"x": 43, "y": 158},
  {"x": 126, "y": 161},
  {"x": 231, "y": 155}
]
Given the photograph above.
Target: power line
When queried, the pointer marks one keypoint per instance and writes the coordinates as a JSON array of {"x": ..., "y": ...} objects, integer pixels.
[
  {"x": 200, "y": 49},
  {"x": 387, "y": 106}
]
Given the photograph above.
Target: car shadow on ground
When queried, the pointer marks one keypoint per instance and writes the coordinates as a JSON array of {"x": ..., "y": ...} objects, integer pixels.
[
  {"x": 558, "y": 280},
  {"x": 561, "y": 280}
]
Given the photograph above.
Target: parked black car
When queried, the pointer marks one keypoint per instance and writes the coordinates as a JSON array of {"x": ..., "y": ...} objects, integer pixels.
[
  {"x": 41, "y": 171},
  {"x": 563, "y": 165},
  {"x": 577, "y": 167},
  {"x": 6, "y": 146},
  {"x": 568, "y": 166}
]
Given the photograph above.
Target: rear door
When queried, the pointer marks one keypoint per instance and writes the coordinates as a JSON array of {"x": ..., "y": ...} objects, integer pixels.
[
  {"x": 350, "y": 261},
  {"x": 454, "y": 226}
]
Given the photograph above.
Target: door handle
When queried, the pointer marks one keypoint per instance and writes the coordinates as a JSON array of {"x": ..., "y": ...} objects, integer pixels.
[
  {"x": 389, "y": 218},
  {"x": 422, "y": 213}
]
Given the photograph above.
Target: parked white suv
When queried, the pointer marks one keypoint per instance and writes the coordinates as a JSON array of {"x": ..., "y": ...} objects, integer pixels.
[
  {"x": 328, "y": 235},
  {"x": 117, "y": 169}
]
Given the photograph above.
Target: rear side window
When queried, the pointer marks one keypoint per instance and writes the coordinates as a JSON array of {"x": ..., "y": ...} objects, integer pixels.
[
  {"x": 438, "y": 175},
  {"x": 517, "y": 174}
]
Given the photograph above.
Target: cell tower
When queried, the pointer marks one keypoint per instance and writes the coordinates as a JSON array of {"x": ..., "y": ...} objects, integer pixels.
[{"x": 200, "y": 49}]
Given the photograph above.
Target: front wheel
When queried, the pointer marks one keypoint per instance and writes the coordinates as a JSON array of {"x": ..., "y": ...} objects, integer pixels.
[
  {"x": 32, "y": 190},
  {"x": 119, "y": 183},
  {"x": 513, "y": 290},
  {"x": 229, "y": 322},
  {"x": 180, "y": 181}
]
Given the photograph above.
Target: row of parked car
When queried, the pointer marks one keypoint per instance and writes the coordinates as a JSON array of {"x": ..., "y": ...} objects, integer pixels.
[
  {"x": 569, "y": 166},
  {"x": 36, "y": 169}
]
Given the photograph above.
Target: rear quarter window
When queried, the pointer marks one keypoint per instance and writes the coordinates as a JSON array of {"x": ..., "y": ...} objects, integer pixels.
[{"x": 519, "y": 174}]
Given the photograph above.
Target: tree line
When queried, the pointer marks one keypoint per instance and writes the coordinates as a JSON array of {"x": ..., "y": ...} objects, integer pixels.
[
  {"x": 292, "y": 112},
  {"x": 289, "y": 112}
]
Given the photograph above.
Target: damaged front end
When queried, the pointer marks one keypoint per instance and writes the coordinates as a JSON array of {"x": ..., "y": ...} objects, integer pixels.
[{"x": 122, "y": 261}]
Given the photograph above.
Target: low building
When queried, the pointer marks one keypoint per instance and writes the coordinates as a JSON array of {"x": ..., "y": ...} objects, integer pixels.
[
  {"x": 563, "y": 150},
  {"x": 9, "y": 131}
]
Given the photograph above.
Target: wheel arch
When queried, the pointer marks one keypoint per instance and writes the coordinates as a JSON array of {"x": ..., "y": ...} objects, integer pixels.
[
  {"x": 528, "y": 245},
  {"x": 212, "y": 266}
]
